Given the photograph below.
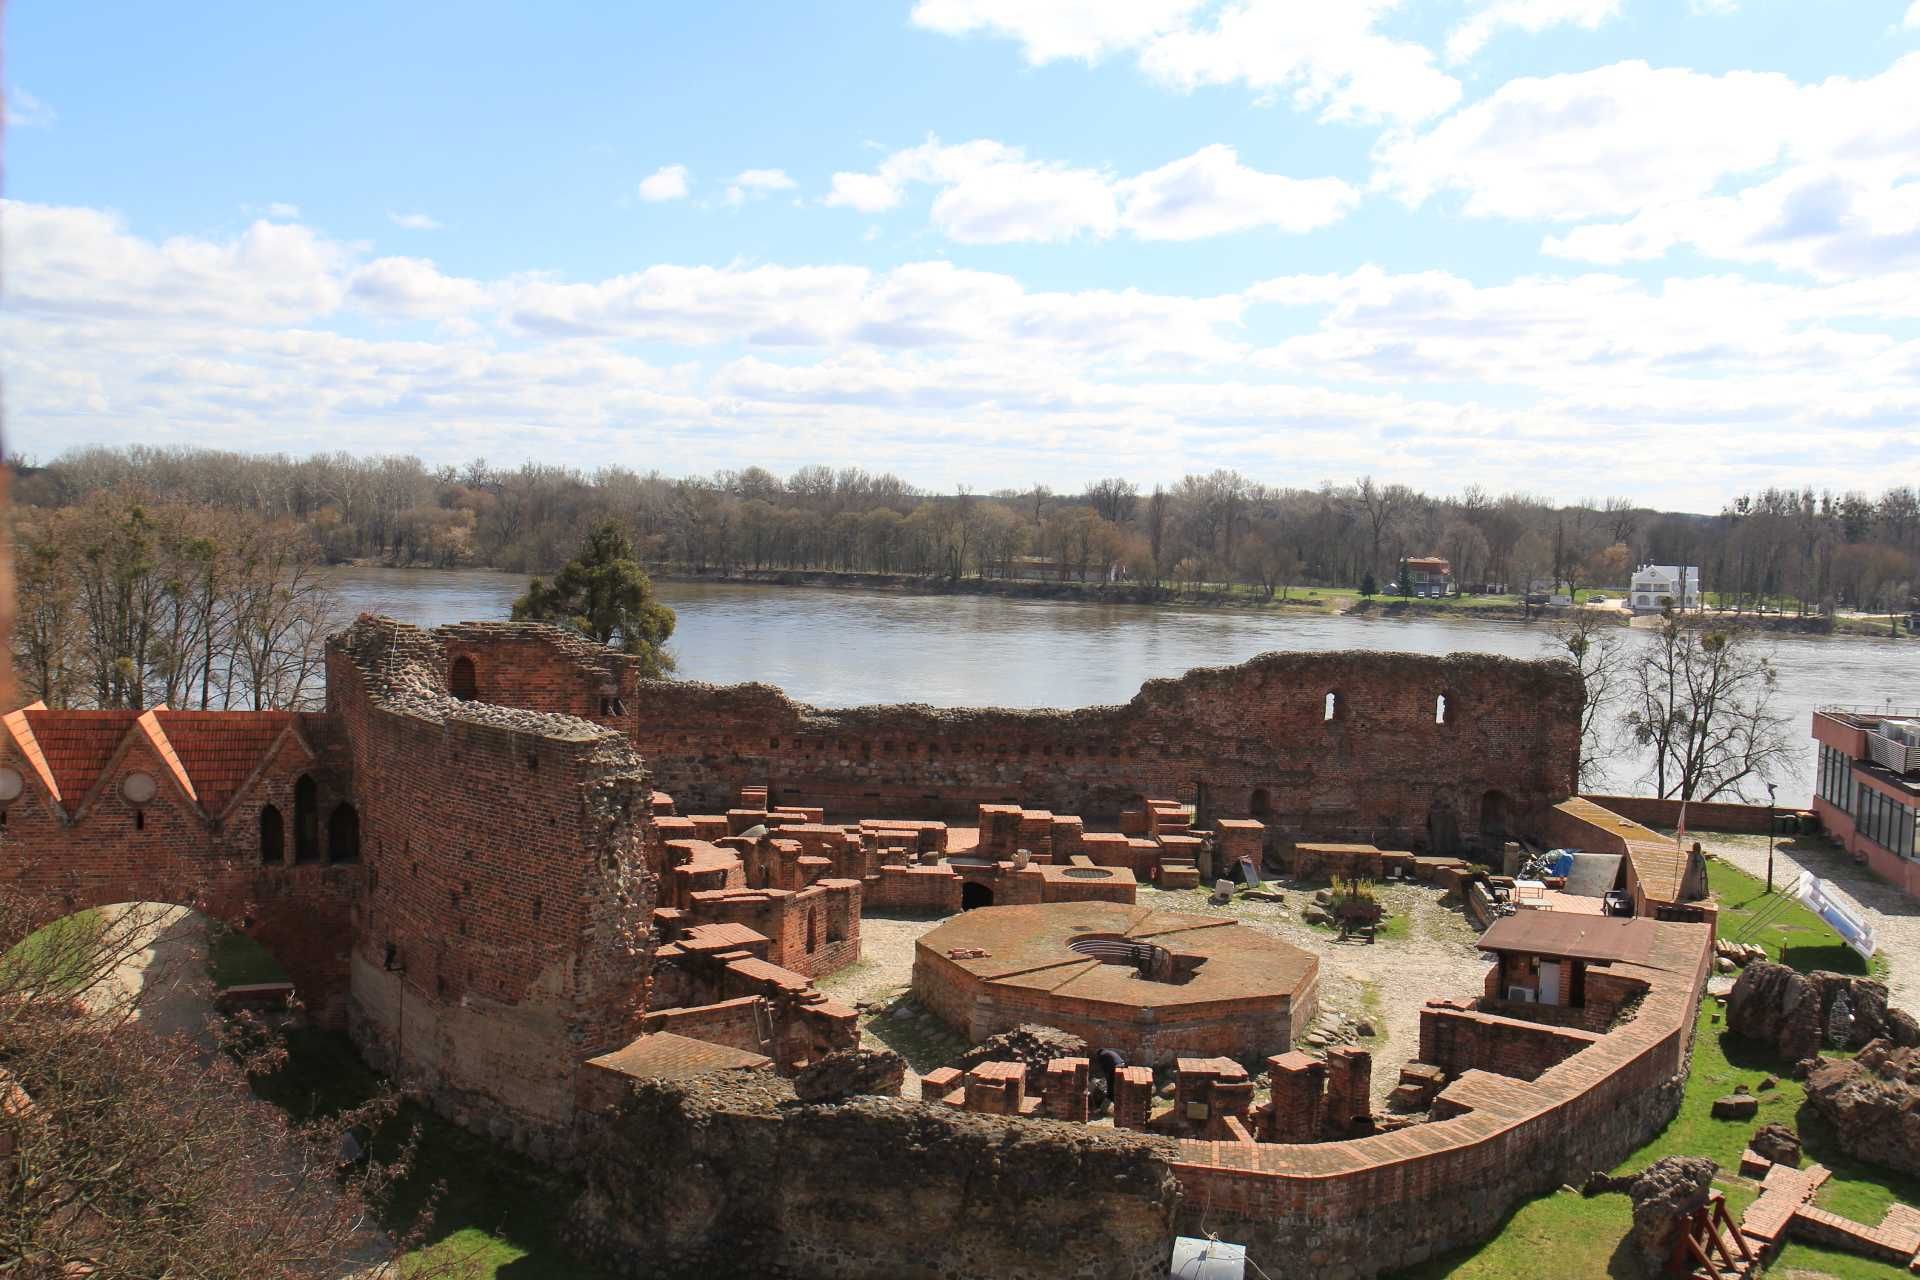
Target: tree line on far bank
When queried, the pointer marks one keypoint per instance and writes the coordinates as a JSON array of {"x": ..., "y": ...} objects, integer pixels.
[
  {"x": 1810, "y": 551},
  {"x": 129, "y": 601}
]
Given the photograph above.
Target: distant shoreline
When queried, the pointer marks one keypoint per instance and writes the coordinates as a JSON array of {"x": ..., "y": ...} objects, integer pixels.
[{"x": 1323, "y": 602}]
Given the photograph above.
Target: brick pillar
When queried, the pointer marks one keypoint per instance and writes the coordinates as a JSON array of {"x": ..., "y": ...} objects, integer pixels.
[
  {"x": 1230, "y": 1100},
  {"x": 938, "y": 1083},
  {"x": 1349, "y": 1088},
  {"x": 1064, "y": 1089},
  {"x": 1132, "y": 1097},
  {"x": 997, "y": 1088},
  {"x": 1299, "y": 1086}
]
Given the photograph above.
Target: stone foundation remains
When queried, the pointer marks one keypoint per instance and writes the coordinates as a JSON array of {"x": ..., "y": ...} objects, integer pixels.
[{"x": 465, "y": 860}]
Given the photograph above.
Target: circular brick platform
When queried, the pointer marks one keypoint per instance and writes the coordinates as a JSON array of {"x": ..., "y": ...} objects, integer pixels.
[{"x": 1216, "y": 987}]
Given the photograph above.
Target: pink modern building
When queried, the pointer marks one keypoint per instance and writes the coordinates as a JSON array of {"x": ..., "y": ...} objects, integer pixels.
[{"x": 1868, "y": 788}]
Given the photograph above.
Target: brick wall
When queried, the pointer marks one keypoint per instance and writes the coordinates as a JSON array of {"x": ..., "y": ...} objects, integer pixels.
[
  {"x": 1378, "y": 1204},
  {"x": 505, "y": 870},
  {"x": 1253, "y": 738},
  {"x": 171, "y": 850},
  {"x": 1743, "y": 819},
  {"x": 1458, "y": 1040},
  {"x": 1219, "y": 1028}
]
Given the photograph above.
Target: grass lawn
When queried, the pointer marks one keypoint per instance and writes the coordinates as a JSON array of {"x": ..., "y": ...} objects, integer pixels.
[
  {"x": 1793, "y": 935},
  {"x": 498, "y": 1214},
  {"x": 235, "y": 960},
  {"x": 56, "y": 954},
  {"x": 1569, "y": 1237}
]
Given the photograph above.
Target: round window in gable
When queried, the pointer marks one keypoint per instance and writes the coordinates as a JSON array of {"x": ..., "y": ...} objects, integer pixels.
[
  {"x": 139, "y": 788},
  {"x": 10, "y": 785}
]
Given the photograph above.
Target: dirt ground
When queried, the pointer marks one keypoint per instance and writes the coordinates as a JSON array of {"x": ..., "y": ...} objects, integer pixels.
[{"x": 1385, "y": 983}]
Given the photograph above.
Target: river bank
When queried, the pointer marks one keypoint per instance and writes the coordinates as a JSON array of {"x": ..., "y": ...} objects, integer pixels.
[{"x": 1321, "y": 601}]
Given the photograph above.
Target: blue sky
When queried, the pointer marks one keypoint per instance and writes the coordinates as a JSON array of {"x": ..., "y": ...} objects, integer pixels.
[{"x": 1512, "y": 243}]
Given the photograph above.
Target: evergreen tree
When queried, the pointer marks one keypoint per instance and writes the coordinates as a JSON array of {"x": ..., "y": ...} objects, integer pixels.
[
  {"x": 604, "y": 593},
  {"x": 1367, "y": 585}
]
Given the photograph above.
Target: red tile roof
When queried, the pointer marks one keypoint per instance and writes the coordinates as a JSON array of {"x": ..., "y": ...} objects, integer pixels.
[
  {"x": 220, "y": 750},
  {"x": 77, "y": 746},
  {"x": 210, "y": 753},
  {"x": 29, "y": 746}
]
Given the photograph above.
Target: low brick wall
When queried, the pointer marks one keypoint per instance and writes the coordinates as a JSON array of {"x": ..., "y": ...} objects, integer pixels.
[
  {"x": 1738, "y": 819},
  {"x": 1460, "y": 1039},
  {"x": 1378, "y": 1204},
  {"x": 734, "y": 1023}
]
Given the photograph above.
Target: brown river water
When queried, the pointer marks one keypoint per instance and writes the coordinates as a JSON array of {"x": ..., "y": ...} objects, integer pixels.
[{"x": 839, "y": 648}]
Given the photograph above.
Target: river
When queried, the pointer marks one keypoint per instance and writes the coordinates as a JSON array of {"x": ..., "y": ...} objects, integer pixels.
[{"x": 844, "y": 648}]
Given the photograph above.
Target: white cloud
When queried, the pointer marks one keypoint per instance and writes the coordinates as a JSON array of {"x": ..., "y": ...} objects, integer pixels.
[
  {"x": 749, "y": 183},
  {"x": 1530, "y": 16},
  {"x": 24, "y": 111},
  {"x": 78, "y": 261},
  {"x": 1747, "y": 166},
  {"x": 1607, "y": 141},
  {"x": 867, "y": 192},
  {"x": 413, "y": 221},
  {"x": 1211, "y": 193},
  {"x": 1327, "y": 57},
  {"x": 667, "y": 183},
  {"x": 1912, "y": 20},
  {"x": 947, "y": 373},
  {"x": 283, "y": 211},
  {"x": 992, "y": 193},
  {"x": 412, "y": 287},
  {"x": 1084, "y": 29}
]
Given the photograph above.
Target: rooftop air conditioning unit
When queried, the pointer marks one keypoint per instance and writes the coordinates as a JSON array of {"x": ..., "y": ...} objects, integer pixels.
[{"x": 1521, "y": 995}]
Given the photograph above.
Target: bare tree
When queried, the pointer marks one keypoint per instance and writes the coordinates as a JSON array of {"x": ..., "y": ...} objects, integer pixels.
[
  {"x": 1600, "y": 650},
  {"x": 1701, "y": 702},
  {"x": 135, "y": 1154}
]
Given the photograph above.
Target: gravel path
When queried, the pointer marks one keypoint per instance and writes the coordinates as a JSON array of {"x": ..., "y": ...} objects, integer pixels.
[
  {"x": 880, "y": 986},
  {"x": 1895, "y": 917},
  {"x": 1386, "y": 983}
]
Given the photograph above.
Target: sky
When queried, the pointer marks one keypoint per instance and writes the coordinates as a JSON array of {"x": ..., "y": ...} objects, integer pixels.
[{"x": 1664, "y": 249}]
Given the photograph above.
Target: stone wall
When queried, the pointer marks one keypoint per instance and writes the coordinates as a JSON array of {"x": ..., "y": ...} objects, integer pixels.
[
  {"x": 726, "y": 1175},
  {"x": 1252, "y": 739},
  {"x": 504, "y": 937}
]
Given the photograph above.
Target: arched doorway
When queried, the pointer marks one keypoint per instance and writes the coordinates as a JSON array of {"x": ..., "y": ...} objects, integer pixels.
[
  {"x": 1493, "y": 815},
  {"x": 273, "y": 836},
  {"x": 1443, "y": 831},
  {"x": 1260, "y": 804},
  {"x": 461, "y": 681},
  {"x": 975, "y": 895},
  {"x": 343, "y": 834},
  {"x": 306, "y": 820}
]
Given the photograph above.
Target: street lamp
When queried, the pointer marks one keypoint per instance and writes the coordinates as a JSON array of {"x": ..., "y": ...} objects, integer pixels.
[{"x": 1771, "y": 823}]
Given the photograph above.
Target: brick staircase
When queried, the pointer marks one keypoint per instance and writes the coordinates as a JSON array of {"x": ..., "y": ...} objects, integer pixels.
[{"x": 1785, "y": 1208}]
